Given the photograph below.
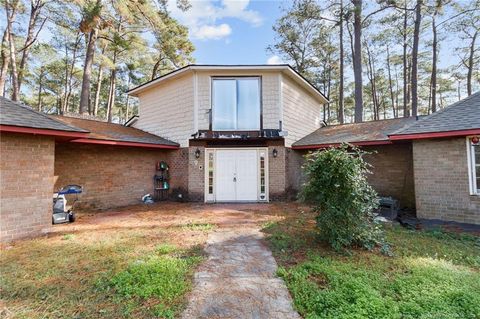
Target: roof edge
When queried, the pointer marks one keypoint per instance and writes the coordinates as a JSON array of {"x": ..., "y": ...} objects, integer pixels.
[
  {"x": 42, "y": 131},
  {"x": 28, "y": 108},
  {"x": 124, "y": 143},
  {"x": 193, "y": 67},
  {"x": 428, "y": 135},
  {"x": 325, "y": 145}
]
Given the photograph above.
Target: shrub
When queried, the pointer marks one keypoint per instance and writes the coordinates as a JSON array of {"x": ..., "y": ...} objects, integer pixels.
[{"x": 343, "y": 200}]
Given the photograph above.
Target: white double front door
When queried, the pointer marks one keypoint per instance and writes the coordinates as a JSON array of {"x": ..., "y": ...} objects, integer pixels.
[{"x": 237, "y": 175}]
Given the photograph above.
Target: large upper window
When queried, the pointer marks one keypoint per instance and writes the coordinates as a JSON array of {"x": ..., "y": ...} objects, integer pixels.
[
  {"x": 474, "y": 166},
  {"x": 236, "y": 103}
]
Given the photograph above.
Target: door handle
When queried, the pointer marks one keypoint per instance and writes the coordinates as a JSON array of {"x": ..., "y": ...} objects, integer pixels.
[{"x": 234, "y": 179}]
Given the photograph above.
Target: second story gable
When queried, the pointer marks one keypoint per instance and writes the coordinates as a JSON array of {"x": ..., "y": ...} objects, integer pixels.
[{"x": 201, "y": 98}]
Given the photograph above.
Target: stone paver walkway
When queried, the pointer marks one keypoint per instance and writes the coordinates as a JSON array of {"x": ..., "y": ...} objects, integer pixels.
[{"x": 238, "y": 279}]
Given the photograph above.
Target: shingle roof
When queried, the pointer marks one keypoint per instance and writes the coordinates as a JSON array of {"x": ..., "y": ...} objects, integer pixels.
[
  {"x": 16, "y": 114},
  {"x": 373, "y": 131},
  {"x": 462, "y": 115},
  {"x": 114, "y": 132}
]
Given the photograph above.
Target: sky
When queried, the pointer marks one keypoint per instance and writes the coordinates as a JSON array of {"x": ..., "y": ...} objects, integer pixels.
[{"x": 231, "y": 31}]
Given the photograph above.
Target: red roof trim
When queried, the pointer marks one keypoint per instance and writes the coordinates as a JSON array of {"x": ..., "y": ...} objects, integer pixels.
[
  {"x": 362, "y": 143},
  {"x": 39, "y": 131},
  {"x": 434, "y": 134},
  {"x": 120, "y": 143}
]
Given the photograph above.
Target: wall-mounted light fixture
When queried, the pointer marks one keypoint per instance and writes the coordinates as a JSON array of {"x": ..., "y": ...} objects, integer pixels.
[
  {"x": 275, "y": 152},
  {"x": 197, "y": 153}
]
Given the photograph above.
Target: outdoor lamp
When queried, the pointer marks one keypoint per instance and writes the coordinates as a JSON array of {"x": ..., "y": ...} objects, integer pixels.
[
  {"x": 275, "y": 152},
  {"x": 197, "y": 153}
]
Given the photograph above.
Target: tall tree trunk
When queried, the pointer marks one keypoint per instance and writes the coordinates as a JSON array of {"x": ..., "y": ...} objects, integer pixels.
[
  {"x": 409, "y": 77},
  {"x": 357, "y": 60},
  {"x": 416, "y": 37},
  {"x": 397, "y": 92},
  {"x": 98, "y": 90},
  {"x": 5, "y": 56},
  {"x": 434, "y": 67},
  {"x": 340, "y": 88},
  {"x": 111, "y": 95},
  {"x": 65, "y": 85},
  {"x": 459, "y": 95},
  {"x": 99, "y": 85},
  {"x": 40, "y": 88},
  {"x": 405, "y": 66},
  {"x": 35, "y": 9},
  {"x": 87, "y": 72},
  {"x": 470, "y": 63},
  {"x": 329, "y": 86},
  {"x": 371, "y": 78},
  {"x": 10, "y": 9},
  {"x": 69, "y": 87},
  {"x": 390, "y": 83}
]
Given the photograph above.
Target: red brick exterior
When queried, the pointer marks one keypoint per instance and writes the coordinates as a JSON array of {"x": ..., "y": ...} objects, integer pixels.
[
  {"x": 392, "y": 171},
  {"x": 111, "y": 175},
  {"x": 441, "y": 181},
  {"x": 196, "y": 174},
  {"x": 26, "y": 185},
  {"x": 277, "y": 173}
]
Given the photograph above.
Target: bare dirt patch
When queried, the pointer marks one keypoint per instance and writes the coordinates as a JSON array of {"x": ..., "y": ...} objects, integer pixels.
[{"x": 63, "y": 273}]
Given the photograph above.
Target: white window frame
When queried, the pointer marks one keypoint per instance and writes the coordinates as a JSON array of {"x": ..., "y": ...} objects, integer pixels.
[
  {"x": 253, "y": 77},
  {"x": 474, "y": 188}
]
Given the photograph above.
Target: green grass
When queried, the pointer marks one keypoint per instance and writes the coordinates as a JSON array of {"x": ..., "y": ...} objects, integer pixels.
[
  {"x": 430, "y": 275},
  {"x": 112, "y": 273},
  {"x": 163, "y": 276},
  {"x": 198, "y": 226}
]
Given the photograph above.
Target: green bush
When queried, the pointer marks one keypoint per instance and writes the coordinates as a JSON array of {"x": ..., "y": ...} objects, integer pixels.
[{"x": 343, "y": 200}]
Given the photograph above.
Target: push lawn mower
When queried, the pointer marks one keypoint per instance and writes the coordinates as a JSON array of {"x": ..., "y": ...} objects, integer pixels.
[{"x": 61, "y": 212}]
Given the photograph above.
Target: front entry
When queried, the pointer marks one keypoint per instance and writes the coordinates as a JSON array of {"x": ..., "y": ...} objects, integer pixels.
[{"x": 236, "y": 175}]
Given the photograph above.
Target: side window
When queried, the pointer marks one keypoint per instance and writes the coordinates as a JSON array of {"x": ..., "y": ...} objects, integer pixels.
[{"x": 474, "y": 167}]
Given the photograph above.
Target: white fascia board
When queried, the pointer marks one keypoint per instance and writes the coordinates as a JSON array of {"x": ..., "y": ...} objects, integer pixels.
[{"x": 281, "y": 67}]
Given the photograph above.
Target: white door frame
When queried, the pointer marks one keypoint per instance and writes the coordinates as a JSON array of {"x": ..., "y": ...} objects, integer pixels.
[{"x": 210, "y": 197}]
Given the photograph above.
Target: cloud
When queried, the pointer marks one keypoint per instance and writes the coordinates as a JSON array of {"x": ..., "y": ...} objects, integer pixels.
[
  {"x": 202, "y": 19},
  {"x": 214, "y": 32},
  {"x": 238, "y": 9},
  {"x": 274, "y": 59}
]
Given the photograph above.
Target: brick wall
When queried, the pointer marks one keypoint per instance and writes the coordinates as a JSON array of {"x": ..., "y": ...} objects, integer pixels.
[
  {"x": 277, "y": 172},
  {"x": 392, "y": 172},
  {"x": 196, "y": 172},
  {"x": 295, "y": 177},
  {"x": 111, "y": 175},
  {"x": 178, "y": 161},
  {"x": 26, "y": 185},
  {"x": 441, "y": 181}
]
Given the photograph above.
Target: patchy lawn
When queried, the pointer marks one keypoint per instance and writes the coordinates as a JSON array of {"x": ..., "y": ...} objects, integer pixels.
[
  {"x": 134, "y": 262},
  {"x": 138, "y": 266},
  {"x": 431, "y": 274}
]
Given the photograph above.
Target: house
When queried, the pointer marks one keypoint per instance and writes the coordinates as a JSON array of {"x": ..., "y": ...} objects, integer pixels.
[
  {"x": 432, "y": 164},
  {"x": 391, "y": 162},
  {"x": 229, "y": 134},
  {"x": 40, "y": 153},
  {"x": 235, "y": 126},
  {"x": 446, "y": 161}
]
